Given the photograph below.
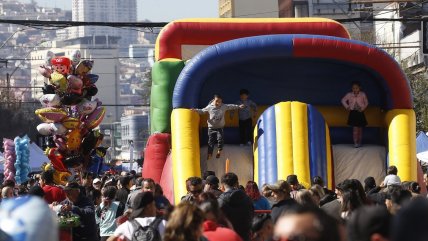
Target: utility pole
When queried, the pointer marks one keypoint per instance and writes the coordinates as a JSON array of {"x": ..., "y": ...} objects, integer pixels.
[{"x": 7, "y": 90}]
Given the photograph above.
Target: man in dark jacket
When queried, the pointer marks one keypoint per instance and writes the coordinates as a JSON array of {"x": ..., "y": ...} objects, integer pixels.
[
  {"x": 123, "y": 192},
  {"x": 80, "y": 205},
  {"x": 236, "y": 205},
  {"x": 281, "y": 194}
]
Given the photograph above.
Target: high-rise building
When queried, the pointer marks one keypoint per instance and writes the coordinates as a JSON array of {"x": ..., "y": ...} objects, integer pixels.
[{"x": 105, "y": 11}]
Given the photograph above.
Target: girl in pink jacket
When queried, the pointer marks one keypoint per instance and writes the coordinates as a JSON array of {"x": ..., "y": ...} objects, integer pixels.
[{"x": 356, "y": 102}]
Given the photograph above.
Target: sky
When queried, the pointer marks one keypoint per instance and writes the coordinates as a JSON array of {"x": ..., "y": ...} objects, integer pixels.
[{"x": 158, "y": 10}]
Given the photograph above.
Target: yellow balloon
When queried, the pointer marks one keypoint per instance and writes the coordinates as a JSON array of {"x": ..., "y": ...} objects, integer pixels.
[
  {"x": 74, "y": 139},
  {"x": 71, "y": 123},
  {"x": 61, "y": 178},
  {"x": 59, "y": 81}
]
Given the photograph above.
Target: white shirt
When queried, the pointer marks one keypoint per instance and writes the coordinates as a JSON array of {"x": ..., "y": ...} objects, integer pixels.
[
  {"x": 391, "y": 180},
  {"x": 126, "y": 229}
]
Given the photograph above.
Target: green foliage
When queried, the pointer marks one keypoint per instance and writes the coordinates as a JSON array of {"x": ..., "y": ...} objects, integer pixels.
[{"x": 419, "y": 86}]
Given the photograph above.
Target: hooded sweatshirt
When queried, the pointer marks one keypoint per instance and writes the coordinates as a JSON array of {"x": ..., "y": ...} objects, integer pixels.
[{"x": 216, "y": 114}]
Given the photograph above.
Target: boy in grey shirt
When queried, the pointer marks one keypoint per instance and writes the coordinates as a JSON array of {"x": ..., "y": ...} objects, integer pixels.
[
  {"x": 246, "y": 116},
  {"x": 216, "y": 110}
]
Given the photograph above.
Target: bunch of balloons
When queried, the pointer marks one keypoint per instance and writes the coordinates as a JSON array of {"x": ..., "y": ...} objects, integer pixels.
[
  {"x": 10, "y": 158},
  {"x": 22, "y": 164},
  {"x": 69, "y": 114}
]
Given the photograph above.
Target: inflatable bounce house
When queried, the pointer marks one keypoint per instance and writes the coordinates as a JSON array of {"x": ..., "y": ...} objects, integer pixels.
[{"x": 297, "y": 71}]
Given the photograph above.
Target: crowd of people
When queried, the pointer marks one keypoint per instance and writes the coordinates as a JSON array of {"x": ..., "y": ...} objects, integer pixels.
[{"x": 129, "y": 207}]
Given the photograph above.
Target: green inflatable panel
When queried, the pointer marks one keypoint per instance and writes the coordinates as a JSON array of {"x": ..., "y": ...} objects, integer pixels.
[{"x": 164, "y": 76}]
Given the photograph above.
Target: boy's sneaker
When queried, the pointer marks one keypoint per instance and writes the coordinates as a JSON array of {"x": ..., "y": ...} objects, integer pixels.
[
  {"x": 241, "y": 144},
  {"x": 218, "y": 154},
  {"x": 249, "y": 143},
  {"x": 209, "y": 156}
]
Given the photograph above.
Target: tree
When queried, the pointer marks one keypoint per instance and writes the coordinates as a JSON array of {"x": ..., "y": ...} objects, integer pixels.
[{"x": 419, "y": 86}]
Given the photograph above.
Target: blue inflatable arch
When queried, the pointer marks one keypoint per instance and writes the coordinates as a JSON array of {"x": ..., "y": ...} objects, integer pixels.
[{"x": 308, "y": 68}]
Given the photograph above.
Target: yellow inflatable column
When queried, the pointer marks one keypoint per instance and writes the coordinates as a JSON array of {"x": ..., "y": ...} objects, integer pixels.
[
  {"x": 402, "y": 142},
  {"x": 284, "y": 136},
  {"x": 299, "y": 118},
  {"x": 185, "y": 149},
  {"x": 256, "y": 156},
  {"x": 329, "y": 159}
]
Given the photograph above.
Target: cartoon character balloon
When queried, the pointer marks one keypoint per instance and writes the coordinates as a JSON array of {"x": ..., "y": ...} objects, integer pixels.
[{"x": 69, "y": 113}]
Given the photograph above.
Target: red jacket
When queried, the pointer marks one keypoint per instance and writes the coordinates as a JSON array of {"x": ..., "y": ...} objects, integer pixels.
[
  {"x": 215, "y": 233},
  {"x": 53, "y": 194}
]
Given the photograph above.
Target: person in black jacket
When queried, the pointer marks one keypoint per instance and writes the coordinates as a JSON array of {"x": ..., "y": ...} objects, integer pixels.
[
  {"x": 281, "y": 193},
  {"x": 124, "y": 191},
  {"x": 236, "y": 205},
  {"x": 79, "y": 204}
]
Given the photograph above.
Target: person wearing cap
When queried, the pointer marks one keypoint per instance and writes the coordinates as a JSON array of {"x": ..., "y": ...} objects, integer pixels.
[
  {"x": 80, "y": 205},
  {"x": 281, "y": 194},
  {"x": 161, "y": 201},
  {"x": 294, "y": 185},
  {"x": 96, "y": 184},
  {"x": 211, "y": 185},
  {"x": 369, "y": 223},
  {"x": 143, "y": 212},
  {"x": 107, "y": 212}
]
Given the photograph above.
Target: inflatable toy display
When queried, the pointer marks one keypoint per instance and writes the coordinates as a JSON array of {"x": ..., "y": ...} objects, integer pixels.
[
  {"x": 309, "y": 60},
  {"x": 22, "y": 164},
  {"x": 10, "y": 159},
  {"x": 70, "y": 114}
]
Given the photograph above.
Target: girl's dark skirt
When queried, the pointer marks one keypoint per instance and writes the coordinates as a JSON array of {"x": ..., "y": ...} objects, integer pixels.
[{"x": 357, "y": 119}]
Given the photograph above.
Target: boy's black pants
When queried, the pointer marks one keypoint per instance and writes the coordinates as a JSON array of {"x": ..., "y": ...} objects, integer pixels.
[
  {"x": 215, "y": 135},
  {"x": 245, "y": 131}
]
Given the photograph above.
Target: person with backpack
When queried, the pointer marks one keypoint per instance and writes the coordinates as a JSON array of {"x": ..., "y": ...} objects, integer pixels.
[
  {"x": 143, "y": 225},
  {"x": 236, "y": 205}
]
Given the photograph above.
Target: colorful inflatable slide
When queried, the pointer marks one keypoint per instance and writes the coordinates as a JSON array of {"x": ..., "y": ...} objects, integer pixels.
[{"x": 312, "y": 61}]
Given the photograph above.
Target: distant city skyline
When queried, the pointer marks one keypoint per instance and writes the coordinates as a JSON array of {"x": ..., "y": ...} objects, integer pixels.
[{"x": 157, "y": 10}]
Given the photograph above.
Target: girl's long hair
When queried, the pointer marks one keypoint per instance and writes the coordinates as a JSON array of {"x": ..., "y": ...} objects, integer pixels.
[{"x": 184, "y": 223}]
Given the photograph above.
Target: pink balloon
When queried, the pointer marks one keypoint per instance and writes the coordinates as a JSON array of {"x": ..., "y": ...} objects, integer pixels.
[{"x": 10, "y": 159}]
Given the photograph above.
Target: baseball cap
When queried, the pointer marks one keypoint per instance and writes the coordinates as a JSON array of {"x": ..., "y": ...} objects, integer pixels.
[
  {"x": 212, "y": 180},
  {"x": 141, "y": 200},
  {"x": 280, "y": 185},
  {"x": 96, "y": 180},
  {"x": 292, "y": 180}
]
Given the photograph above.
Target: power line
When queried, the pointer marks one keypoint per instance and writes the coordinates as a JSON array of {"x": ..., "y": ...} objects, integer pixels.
[{"x": 64, "y": 24}]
